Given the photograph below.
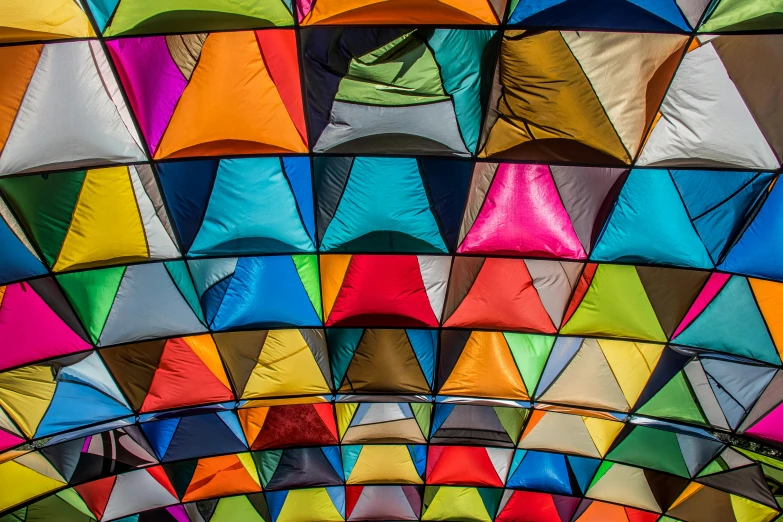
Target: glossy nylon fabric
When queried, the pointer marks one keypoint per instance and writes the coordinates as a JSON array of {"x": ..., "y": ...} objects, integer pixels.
[{"x": 437, "y": 260}]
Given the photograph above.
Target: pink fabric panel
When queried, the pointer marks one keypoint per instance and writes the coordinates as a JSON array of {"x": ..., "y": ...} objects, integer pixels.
[
  {"x": 708, "y": 293},
  {"x": 770, "y": 427},
  {"x": 303, "y": 8},
  {"x": 31, "y": 331},
  {"x": 8, "y": 440},
  {"x": 523, "y": 214}
]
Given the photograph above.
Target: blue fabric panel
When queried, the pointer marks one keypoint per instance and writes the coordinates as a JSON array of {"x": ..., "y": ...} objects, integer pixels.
[
  {"x": 759, "y": 251},
  {"x": 563, "y": 351},
  {"x": 644, "y": 15},
  {"x": 102, "y": 11},
  {"x": 442, "y": 412},
  {"x": 186, "y": 186},
  {"x": 201, "y": 436},
  {"x": 213, "y": 297},
  {"x": 350, "y": 456},
  {"x": 66, "y": 411},
  {"x": 231, "y": 420},
  {"x": 337, "y": 494},
  {"x": 332, "y": 454},
  {"x": 275, "y": 501},
  {"x": 159, "y": 434},
  {"x": 342, "y": 345},
  {"x": 16, "y": 261},
  {"x": 298, "y": 171},
  {"x": 419, "y": 457},
  {"x": 265, "y": 292},
  {"x": 543, "y": 472},
  {"x": 448, "y": 182},
  {"x": 424, "y": 343},
  {"x": 584, "y": 469},
  {"x": 744, "y": 384},
  {"x": 650, "y": 225},
  {"x": 519, "y": 455}
]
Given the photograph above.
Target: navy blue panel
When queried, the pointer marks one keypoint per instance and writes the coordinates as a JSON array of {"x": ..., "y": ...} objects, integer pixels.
[
  {"x": 669, "y": 364},
  {"x": 202, "y": 436},
  {"x": 213, "y": 297},
  {"x": 448, "y": 182}
]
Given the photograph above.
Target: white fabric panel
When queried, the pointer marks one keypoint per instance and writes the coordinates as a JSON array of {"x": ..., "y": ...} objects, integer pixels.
[
  {"x": 382, "y": 503},
  {"x": 554, "y": 281},
  {"x": 693, "y": 9},
  {"x": 66, "y": 118},
  {"x": 435, "y": 273},
  {"x": 93, "y": 372},
  {"x": 104, "y": 69},
  {"x": 382, "y": 413},
  {"x": 703, "y": 390},
  {"x": 207, "y": 272},
  {"x": 158, "y": 240},
  {"x": 705, "y": 122},
  {"x": 735, "y": 459},
  {"x": 148, "y": 305},
  {"x": 501, "y": 460},
  {"x": 134, "y": 492}
]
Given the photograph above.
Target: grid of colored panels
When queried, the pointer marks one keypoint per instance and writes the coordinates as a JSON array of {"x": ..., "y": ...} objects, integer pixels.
[{"x": 353, "y": 260}]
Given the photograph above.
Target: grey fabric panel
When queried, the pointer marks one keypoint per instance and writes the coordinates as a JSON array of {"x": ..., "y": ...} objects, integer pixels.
[
  {"x": 65, "y": 456},
  {"x": 192, "y": 509},
  {"x": 564, "y": 349},
  {"x": 317, "y": 343},
  {"x": 49, "y": 291},
  {"x": 697, "y": 451},
  {"x": 748, "y": 482},
  {"x": 467, "y": 416},
  {"x": 587, "y": 194},
  {"x": 493, "y": 114},
  {"x": 330, "y": 176},
  {"x": 145, "y": 293},
  {"x": 135, "y": 492},
  {"x": 693, "y": 9},
  {"x": 421, "y": 129},
  {"x": 153, "y": 192},
  {"x": 554, "y": 281},
  {"x": 703, "y": 390},
  {"x": 768, "y": 400},
  {"x": 483, "y": 174},
  {"x": 382, "y": 503},
  {"x": 742, "y": 383}
]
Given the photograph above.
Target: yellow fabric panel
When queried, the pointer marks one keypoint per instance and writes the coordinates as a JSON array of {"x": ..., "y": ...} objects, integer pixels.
[
  {"x": 486, "y": 368},
  {"x": 620, "y": 67},
  {"x": 587, "y": 381},
  {"x": 252, "y": 420},
  {"x": 231, "y": 105},
  {"x": 247, "y": 461},
  {"x": 749, "y": 511},
  {"x": 632, "y": 364},
  {"x": 384, "y": 464},
  {"x": 43, "y": 19},
  {"x": 345, "y": 412},
  {"x": 457, "y": 503},
  {"x": 546, "y": 93},
  {"x": 307, "y": 505},
  {"x": 204, "y": 347},
  {"x": 333, "y": 269},
  {"x": 769, "y": 296},
  {"x": 401, "y": 11},
  {"x": 106, "y": 226},
  {"x": 25, "y": 394},
  {"x": 603, "y": 432},
  {"x": 27, "y": 484},
  {"x": 285, "y": 367},
  {"x": 38, "y": 463},
  {"x": 691, "y": 490},
  {"x": 256, "y": 403}
]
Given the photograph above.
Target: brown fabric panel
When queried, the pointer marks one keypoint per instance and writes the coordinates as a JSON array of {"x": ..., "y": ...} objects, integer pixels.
[
  {"x": 384, "y": 362},
  {"x": 463, "y": 274},
  {"x": 18, "y": 64},
  {"x": 499, "y": 6},
  {"x": 133, "y": 367},
  {"x": 452, "y": 342},
  {"x": 404, "y": 431},
  {"x": 748, "y": 482},
  {"x": 317, "y": 343},
  {"x": 588, "y": 194},
  {"x": 240, "y": 352},
  {"x": 483, "y": 174},
  {"x": 665, "y": 488},
  {"x": 753, "y": 63},
  {"x": 706, "y": 505},
  {"x": 495, "y": 93},
  {"x": 185, "y": 49},
  {"x": 671, "y": 291},
  {"x": 546, "y": 96},
  {"x": 657, "y": 87}
]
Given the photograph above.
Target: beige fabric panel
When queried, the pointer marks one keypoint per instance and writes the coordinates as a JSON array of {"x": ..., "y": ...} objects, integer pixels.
[
  {"x": 185, "y": 49},
  {"x": 560, "y": 432},
  {"x": 483, "y": 174}
]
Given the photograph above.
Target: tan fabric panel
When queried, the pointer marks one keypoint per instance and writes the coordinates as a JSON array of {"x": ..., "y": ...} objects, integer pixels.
[
  {"x": 625, "y": 485},
  {"x": 620, "y": 67},
  {"x": 185, "y": 49},
  {"x": 240, "y": 352},
  {"x": 560, "y": 432},
  {"x": 546, "y": 97},
  {"x": 483, "y": 174},
  {"x": 397, "y": 432}
]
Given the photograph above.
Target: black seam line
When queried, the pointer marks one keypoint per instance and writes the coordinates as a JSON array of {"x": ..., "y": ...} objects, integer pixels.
[
  {"x": 690, "y": 219},
  {"x": 138, "y": 209},
  {"x": 431, "y": 202},
  {"x": 649, "y": 126},
  {"x": 336, "y": 208},
  {"x": 459, "y": 242},
  {"x": 628, "y": 157}
]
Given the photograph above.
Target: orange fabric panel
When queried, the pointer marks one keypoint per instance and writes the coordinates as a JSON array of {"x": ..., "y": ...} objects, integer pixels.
[
  {"x": 603, "y": 512},
  {"x": 333, "y": 270},
  {"x": 219, "y": 476},
  {"x": 278, "y": 48},
  {"x": 231, "y": 105},
  {"x": 252, "y": 421},
  {"x": 18, "y": 65},
  {"x": 769, "y": 296},
  {"x": 456, "y": 12}
]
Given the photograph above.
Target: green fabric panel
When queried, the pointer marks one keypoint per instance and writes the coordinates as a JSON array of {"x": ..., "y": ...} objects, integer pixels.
[
  {"x": 459, "y": 54},
  {"x": 17, "y": 516},
  {"x": 761, "y": 458},
  {"x": 712, "y": 467},
  {"x": 181, "y": 276},
  {"x": 616, "y": 305},
  {"x": 674, "y": 401},
  {"x": 139, "y": 16},
  {"x": 602, "y": 469},
  {"x": 266, "y": 463},
  {"x": 745, "y": 15},
  {"x": 530, "y": 354},
  {"x": 491, "y": 498},
  {"x": 232, "y": 509},
  {"x": 54, "y": 508},
  {"x": 45, "y": 206},
  {"x": 307, "y": 268},
  {"x": 402, "y": 72},
  {"x": 92, "y": 294},
  {"x": 511, "y": 419},
  {"x": 72, "y": 497},
  {"x": 422, "y": 411},
  {"x": 651, "y": 448}
]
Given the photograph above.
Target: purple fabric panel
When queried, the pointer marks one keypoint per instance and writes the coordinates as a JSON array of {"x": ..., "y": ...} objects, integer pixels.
[{"x": 152, "y": 81}]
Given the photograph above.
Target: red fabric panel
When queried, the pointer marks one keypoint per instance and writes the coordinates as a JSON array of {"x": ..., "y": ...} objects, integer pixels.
[
  {"x": 463, "y": 465},
  {"x": 294, "y": 425}
]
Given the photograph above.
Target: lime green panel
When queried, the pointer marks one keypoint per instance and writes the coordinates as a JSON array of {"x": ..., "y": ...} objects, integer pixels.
[
  {"x": 530, "y": 354},
  {"x": 616, "y": 305},
  {"x": 91, "y": 294},
  {"x": 307, "y": 268},
  {"x": 422, "y": 411},
  {"x": 602, "y": 469},
  {"x": 651, "y": 448},
  {"x": 233, "y": 509},
  {"x": 745, "y": 15},
  {"x": 172, "y": 16},
  {"x": 511, "y": 419},
  {"x": 712, "y": 467},
  {"x": 674, "y": 401},
  {"x": 402, "y": 72},
  {"x": 45, "y": 205}
]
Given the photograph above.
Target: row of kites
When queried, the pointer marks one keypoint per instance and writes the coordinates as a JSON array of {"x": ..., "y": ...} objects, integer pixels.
[{"x": 386, "y": 260}]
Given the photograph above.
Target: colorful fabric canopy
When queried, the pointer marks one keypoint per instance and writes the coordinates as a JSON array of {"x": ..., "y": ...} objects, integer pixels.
[{"x": 386, "y": 260}]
